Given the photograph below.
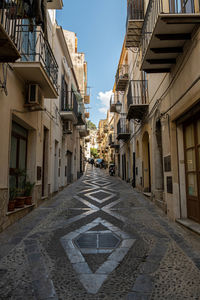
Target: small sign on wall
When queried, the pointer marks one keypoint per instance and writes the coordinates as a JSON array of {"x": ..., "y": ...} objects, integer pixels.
[
  {"x": 39, "y": 173},
  {"x": 169, "y": 185}
]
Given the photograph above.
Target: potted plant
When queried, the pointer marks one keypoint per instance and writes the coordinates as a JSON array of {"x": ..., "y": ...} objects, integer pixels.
[
  {"x": 28, "y": 192},
  {"x": 12, "y": 195},
  {"x": 20, "y": 199}
]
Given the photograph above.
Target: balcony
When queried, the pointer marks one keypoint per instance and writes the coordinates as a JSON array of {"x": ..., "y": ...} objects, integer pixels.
[
  {"x": 121, "y": 78},
  {"x": 112, "y": 141},
  {"x": 123, "y": 132},
  {"x": 105, "y": 129},
  {"x": 134, "y": 23},
  {"x": 168, "y": 25},
  {"x": 83, "y": 130},
  {"x": 112, "y": 104},
  {"x": 87, "y": 140},
  {"x": 87, "y": 99},
  {"x": 54, "y": 4},
  {"x": 37, "y": 63},
  {"x": 69, "y": 107},
  {"x": 87, "y": 114},
  {"x": 137, "y": 99},
  {"x": 81, "y": 108},
  {"x": 9, "y": 37}
]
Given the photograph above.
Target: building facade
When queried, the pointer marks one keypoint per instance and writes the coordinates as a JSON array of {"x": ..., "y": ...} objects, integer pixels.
[
  {"x": 158, "y": 128},
  {"x": 41, "y": 109}
]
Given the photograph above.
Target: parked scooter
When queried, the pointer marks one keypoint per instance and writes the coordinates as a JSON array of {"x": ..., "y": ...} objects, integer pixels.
[{"x": 112, "y": 169}]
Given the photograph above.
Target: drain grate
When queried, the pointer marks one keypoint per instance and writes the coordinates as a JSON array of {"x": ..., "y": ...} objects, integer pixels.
[
  {"x": 97, "y": 240},
  {"x": 87, "y": 241},
  {"x": 108, "y": 240}
]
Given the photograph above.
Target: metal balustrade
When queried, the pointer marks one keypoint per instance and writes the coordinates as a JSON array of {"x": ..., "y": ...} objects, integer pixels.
[
  {"x": 135, "y": 10},
  {"x": 137, "y": 93},
  {"x": 123, "y": 132},
  {"x": 112, "y": 140},
  {"x": 35, "y": 48},
  {"x": 156, "y": 7},
  {"x": 9, "y": 22},
  {"x": 122, "y": 126},
  {"x": 69, "y": 105},
  {"x": 122, "y": 72},
  {"x": 137, "y": 99}
]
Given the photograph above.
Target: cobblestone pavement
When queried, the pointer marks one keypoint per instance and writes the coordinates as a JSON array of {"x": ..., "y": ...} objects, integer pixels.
[{"x": 98, "y": 239}]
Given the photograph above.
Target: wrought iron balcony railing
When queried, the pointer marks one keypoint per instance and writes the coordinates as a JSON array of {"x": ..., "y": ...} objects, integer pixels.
[
  {"x": 122, "y": 72},
  {"x": 156, "y": 7},
  {"x": 121, "y": 78},
  {"x": 112, "y": 140},
  {"x": 137, "y": 99},
  {"x": 134, "y": 23},
  {"x": 123, "y": 131},
  {"x": 34, "y": 47},
  {"x": 9, "y": 21},
  {"x": 135, "y": 10},
  {"x": 137, "y": 93}
]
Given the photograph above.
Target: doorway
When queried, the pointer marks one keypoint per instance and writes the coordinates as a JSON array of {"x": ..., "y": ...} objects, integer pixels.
[
  {"x": 146, "y": 163},
  {"x": 69, "y": 167},
  {"x": 45, "y": 163},
  {"x": 56, "y": 167},
  {"x": 118, "y": 158},
  {"x": 124, "y": 166},
  {"x": 158, "y": 153},
  {"x": 192, "y": 167}
]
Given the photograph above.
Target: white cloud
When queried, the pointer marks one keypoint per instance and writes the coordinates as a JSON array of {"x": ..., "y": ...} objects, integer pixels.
[
  {"x": 105, "y": 101},
  {"x": 103, "y": 110}
]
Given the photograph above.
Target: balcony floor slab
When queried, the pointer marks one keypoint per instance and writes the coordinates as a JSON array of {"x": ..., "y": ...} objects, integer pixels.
[
  {"x": 34, "y": 72},
  {"x": 170, "y": 31}
]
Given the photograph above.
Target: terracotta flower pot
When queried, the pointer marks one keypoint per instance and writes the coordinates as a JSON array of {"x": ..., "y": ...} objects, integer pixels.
[
  {"x": 28, "y": 200},
  {"x": 19, "y": 202},
  {"x": 11, "y": 205}
]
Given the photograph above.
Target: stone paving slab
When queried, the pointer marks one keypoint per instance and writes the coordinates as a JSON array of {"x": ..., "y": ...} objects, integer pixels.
[{"x": 153, "y": 259}]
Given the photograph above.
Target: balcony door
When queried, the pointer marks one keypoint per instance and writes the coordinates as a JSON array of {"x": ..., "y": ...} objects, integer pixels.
[
  {"x": 64, "y": 95},
  {"x": 28, "y": 45},
  {"x": 184, "y": 6},
  {"x": 192, "y": 166}
]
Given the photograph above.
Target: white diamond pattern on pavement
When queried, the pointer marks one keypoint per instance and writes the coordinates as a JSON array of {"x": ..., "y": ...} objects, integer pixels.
[{"x": 93, "y": 281}]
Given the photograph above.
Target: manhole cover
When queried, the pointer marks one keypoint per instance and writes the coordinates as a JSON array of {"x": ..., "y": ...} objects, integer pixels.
[{"x": 97, "y": 240}]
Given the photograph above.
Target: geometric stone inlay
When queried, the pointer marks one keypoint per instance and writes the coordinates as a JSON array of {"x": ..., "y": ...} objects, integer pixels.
[
  {"x": 101, "y": 182},
  {"x": 93, "y": 281},
  {"x": 98, "y": 196}
]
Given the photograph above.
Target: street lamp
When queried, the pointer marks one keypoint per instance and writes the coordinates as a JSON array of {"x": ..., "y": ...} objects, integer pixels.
[{"x": 118, "y": 106}]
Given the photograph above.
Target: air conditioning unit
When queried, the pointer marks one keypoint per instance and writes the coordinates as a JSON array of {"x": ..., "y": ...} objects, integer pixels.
[
  {"x": 35, "y": 96},
  {"x": 67, "y": 127}
]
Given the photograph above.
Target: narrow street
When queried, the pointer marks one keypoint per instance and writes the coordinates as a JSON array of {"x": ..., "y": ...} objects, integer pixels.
[{"x": 98, "y": 239}]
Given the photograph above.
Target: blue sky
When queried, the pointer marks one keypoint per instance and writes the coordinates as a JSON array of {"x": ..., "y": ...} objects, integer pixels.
[{"x": 100, "y": 28}]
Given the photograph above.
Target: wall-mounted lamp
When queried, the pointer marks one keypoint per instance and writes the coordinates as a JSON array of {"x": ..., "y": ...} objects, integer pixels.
[{"x": 118, "y": 106}]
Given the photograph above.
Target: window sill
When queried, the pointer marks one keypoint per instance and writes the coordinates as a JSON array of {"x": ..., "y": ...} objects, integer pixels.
[{"x": 19, "y": 209}]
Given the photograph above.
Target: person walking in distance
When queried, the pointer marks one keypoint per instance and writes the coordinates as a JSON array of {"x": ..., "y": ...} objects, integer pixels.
[{"x": 92, "y": 162}]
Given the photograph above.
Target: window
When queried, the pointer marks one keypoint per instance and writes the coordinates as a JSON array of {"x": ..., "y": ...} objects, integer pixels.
[{"x": 18, "y": 154}]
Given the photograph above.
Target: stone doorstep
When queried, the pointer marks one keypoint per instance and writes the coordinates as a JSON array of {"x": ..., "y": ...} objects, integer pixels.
[
  {"x": 19, "y": 209},
  {"x": 195, "y": 227}
]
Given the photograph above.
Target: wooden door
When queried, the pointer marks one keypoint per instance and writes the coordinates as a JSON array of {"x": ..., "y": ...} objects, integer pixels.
[{"x": 192, "y": 167}]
